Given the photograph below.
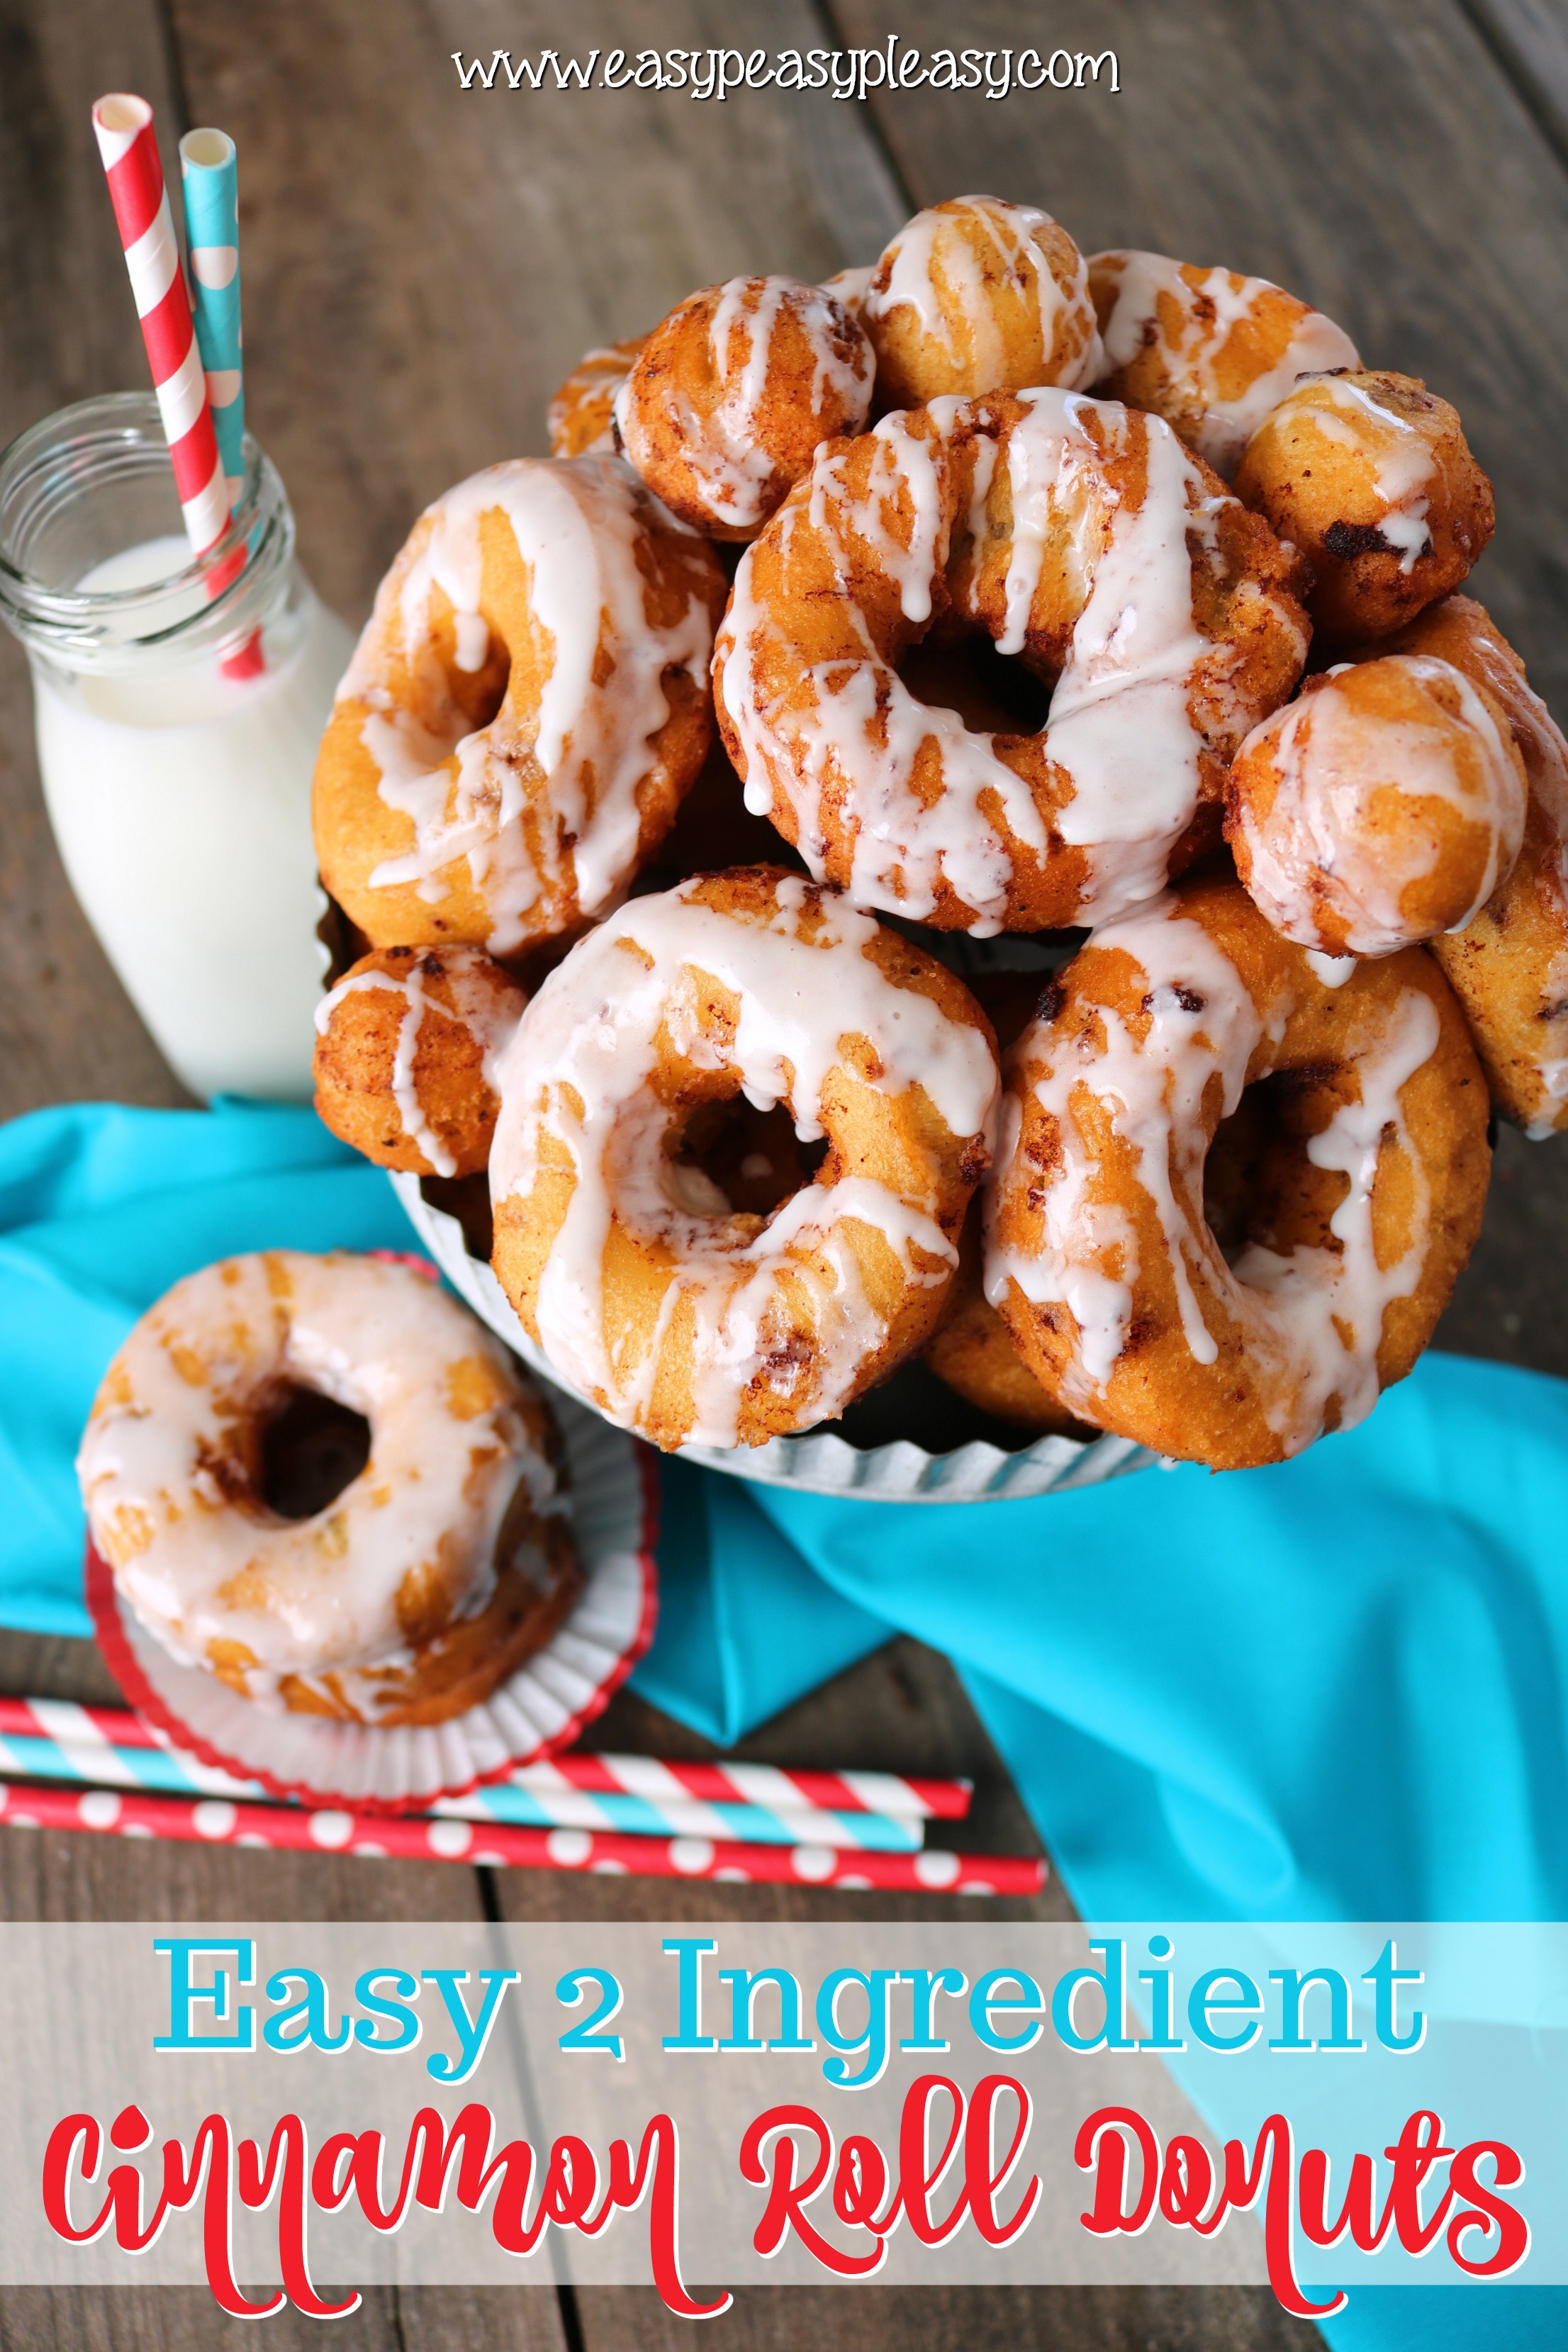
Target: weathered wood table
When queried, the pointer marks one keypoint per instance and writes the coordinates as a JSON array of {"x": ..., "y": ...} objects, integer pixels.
[{"x": 421, "y": 267}]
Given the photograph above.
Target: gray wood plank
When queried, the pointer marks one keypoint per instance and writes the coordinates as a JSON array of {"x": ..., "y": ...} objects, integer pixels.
[
  {"x": 182, "y": 2319},
  {"x": 1530, "y": 40},
  {"x": 967, "y": 2319}
]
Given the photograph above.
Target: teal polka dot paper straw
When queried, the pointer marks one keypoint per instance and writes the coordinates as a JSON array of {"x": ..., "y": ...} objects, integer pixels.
[{"x": 212, "y": 230}]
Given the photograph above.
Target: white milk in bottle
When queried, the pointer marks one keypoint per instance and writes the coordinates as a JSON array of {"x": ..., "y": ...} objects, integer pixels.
[{"x": 178, "y": 719}]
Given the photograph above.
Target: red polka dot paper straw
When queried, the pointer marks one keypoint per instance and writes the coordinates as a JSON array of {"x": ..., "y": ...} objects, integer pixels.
[
  {"x": 220, "y": 1820},
  {"x": 129, "y": 151}
]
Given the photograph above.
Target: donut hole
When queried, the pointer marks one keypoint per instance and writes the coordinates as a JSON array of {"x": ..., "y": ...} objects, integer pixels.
[
  {"x": 310, "y": 1449},
  {"x": 1259, "y": 1187},
  {"x": 472, "y": 668},
  {"x": 991, "y": 693},
  {"x": 752, "y": 1159}
]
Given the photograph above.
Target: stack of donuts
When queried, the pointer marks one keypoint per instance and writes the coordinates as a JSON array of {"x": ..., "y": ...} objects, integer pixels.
[{"x": 960, "y": 814}]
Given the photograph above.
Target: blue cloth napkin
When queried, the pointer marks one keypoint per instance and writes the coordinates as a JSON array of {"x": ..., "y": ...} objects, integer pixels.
[{"x": 1333, "y": 1690}]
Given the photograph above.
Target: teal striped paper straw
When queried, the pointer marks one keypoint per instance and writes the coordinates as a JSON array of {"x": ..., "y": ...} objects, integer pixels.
[{"x": 211, "y": 182}]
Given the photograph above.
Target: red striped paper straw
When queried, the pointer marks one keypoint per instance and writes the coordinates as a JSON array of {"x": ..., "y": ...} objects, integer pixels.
[
  {"x": 126, "y": 141},
  {"x": 129, "y": 151},
  {"x": 219, "y": 1821},
  {"x": 752, "y": 1784},
  {"x": 902, "y": 1796}
]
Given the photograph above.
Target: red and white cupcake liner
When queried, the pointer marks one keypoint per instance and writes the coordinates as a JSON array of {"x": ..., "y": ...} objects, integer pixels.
[{"x": 539, "y": 1709}]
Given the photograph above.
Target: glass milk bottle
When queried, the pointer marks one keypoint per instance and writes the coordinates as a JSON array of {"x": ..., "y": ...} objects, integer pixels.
[{"x": 179, "y": 705}]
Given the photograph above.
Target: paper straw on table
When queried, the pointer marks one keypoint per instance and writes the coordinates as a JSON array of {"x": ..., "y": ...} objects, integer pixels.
[
  {"x": 752, "y": 1784},
  {"x": 166, "y": 1772},
  {"x": 219, "y": 1821},
  {"x": 211, "y": 184},
  {"x": 53, "y": 1739}
]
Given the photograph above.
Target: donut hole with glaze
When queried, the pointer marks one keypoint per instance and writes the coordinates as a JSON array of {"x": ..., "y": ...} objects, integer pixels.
[{"x": 309, "y": 1449}]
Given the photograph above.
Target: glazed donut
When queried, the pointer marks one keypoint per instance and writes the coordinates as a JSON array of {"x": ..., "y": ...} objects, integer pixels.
[
  {"x": 679, "y": 1314},
  {"x": 1509, "y": 966},
  {"x": 1208, "y": 350},
  {"x": 406, "y": 1046},
  {"x": 975, "y": 296},
  {"x": 560, "y": 591},
  {"x": 419, "y": 1587},
  {"x": 1366, "y": 1180},
  {"x": 1380, "y": 808},
  {"x": 1075, "y": 534},
  {"x": 1371, "y": 477},
  {"x": 730, "y": 395},
  {"x": 581, "y": 416}
]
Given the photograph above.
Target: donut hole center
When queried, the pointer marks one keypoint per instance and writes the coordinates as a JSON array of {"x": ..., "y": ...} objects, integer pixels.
[
  {"x": 310, "y": 1448},
  {"x": 1259, "y": 1187},
  {"x": 991, "y": 693},
  {"x": 473, "y": 666},
  {"x": 730, "y": 1157}
]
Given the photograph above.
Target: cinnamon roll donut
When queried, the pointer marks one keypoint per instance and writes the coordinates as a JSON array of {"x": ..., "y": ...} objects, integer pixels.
[
  {"x": 1081, "y": 539},
  {"x": 581, "y": 418},
  {"x": 1370, "y": 475},
  {"x": 1508, "y": 965},
  {"x": 1365, "y": 1178},
  {"x": 975, "y": 296},
  {"x": 407, "y": 1047},
  {"x": 1379, "y": 809},
  {"x": 679, "y": 1314},
  {"x": 525, "y": 709},
  {"x": 419, "y": 1587},
  {"x": 730, "y": 395},
  {"x": 1208, "y": 350}
]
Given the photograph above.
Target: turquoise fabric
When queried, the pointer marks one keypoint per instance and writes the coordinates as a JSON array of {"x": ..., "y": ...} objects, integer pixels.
[{"x": 1334, "y": 1690}]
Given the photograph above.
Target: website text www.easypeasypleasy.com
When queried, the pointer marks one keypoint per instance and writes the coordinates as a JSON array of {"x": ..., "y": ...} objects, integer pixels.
[{"x": 843, "y": 73}]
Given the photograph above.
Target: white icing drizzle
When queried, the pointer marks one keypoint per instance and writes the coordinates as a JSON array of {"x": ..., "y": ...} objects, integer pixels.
[
  {"x": 950, "y": 243},
  {"x": 1403, "y": 459},
  {"x": 450, "y": 1448},
  {"x": 539, "y": 806},
  {"x": 1120, "y": 723},
  {"x": 1316, "y": 847},
  {"x": 578, "y": 1077},
  {"x": 1190, "y": 355},
  {"x": 736, "y": 477},
  {"x": 488, "y": 1012},
  {"x": 848, "y": 287},
  {"x": 1312, "y": 1322}
]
